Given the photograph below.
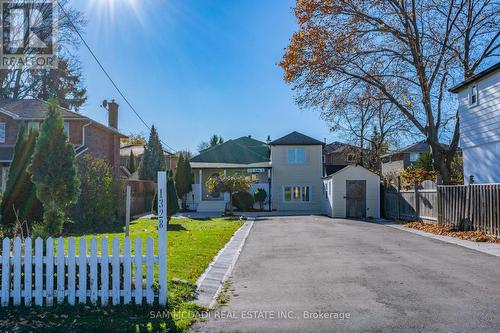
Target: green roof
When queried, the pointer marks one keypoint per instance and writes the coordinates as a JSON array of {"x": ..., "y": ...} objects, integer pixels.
[
  {"x": 244, "y": 150},
  {"x": 295, "y": 138}
]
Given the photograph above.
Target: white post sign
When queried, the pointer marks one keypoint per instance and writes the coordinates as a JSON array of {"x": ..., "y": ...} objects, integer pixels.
[{"x": 162, "y": 236}]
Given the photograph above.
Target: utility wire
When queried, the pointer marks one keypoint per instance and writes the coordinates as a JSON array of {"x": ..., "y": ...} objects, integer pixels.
[{"x": 106, "y": 72}]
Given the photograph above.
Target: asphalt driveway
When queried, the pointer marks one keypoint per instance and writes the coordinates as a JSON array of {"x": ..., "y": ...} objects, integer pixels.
[{"x": 315, "y": 274}]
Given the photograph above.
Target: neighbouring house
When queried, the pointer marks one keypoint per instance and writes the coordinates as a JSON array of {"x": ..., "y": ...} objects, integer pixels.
[
  {"x": 337, "y": 155},
  {"x": 394, "y": 162},
  {"x": 479, "y": 115},
  {"x": 352, "y": 192},
  {"x": 87, "y": 135},
  {"x": 138, "y": 150}
]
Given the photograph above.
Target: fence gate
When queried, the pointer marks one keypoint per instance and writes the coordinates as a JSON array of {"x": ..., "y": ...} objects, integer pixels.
[{"x": 95, "y": 272}]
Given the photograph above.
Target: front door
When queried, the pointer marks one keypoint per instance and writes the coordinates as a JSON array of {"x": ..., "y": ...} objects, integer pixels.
[{"x": 355, "y": 198}]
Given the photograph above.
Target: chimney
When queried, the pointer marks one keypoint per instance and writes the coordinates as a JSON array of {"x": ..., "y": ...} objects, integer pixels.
[{"x": 113, "y": 114}]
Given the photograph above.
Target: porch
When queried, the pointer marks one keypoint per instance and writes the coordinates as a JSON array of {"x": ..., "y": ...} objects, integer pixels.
[{"x": 201, "y": 200}]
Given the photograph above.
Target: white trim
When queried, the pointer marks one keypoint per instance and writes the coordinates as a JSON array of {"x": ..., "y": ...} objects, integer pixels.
[
  {"x": 295, "y": 150},
  {"x": 206, "y": 165},
  {"x": 347, "y": 168},
  {"x": 10, "y": 114},
  {"x": 81, "y": 152},
  {"x": 300, "y": 195},
  {"x": 476, "y": 103}
]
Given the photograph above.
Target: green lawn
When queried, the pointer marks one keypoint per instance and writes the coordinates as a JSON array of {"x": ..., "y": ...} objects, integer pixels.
[{"x": 192, "y": 244}]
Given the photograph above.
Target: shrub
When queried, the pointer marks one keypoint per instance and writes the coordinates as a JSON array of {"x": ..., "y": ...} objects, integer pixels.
[
  {"x": 243, "y": 200},
  {"x": 95, "y": 209},
  {"x": 260, "y": 196},
  {"x": 230, "y": 184}
]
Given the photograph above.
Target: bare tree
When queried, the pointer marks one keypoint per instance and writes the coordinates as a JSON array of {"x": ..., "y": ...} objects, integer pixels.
[
  {"x": 404, "y": 49},
  {"x": 64, "y": 82}
]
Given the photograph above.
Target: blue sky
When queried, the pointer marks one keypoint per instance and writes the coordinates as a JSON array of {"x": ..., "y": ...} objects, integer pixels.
[{"x": 195, "y": 68}]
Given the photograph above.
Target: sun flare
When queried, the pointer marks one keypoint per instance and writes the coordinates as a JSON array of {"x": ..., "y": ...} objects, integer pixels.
[{"x": 107, "y": 10}]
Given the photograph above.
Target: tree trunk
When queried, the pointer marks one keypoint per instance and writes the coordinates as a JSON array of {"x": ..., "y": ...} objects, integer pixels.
[{"x": 441, "y": 160}]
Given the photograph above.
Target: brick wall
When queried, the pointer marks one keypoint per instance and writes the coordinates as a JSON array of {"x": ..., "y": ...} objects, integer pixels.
[{"x": 105, "y": 145}]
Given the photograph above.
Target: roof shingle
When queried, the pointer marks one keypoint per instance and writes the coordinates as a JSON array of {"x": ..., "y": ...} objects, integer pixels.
[
  {"x": 295, "y": 138},
  {"x": 244, "y": 150}
]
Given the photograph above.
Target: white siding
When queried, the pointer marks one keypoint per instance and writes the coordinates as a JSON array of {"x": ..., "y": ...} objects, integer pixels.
[
  {"x": 308, "y": 173},
  {"x": 482, "y": 162},
  {"x": 480, "y": 124},
  {"x": 337, "y": 185}
]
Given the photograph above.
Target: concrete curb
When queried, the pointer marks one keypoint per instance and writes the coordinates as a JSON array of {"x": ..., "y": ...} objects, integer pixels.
[
  {"x": 489, "y": 248},
  {"x": 209, "y": 284}
]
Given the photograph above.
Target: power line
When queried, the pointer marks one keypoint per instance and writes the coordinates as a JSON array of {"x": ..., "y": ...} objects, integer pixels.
[{"x": 106, "y": 72}]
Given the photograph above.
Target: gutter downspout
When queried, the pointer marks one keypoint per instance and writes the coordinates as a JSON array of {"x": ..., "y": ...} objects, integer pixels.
[{"x": 83, "y": 132}]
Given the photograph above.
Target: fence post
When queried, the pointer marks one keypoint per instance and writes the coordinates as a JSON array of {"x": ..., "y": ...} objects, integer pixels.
[
  {"x": 417, "y": 201},
  {"x": 127, "y": 211},
  {"x": 5, "y": 271},
  {"x": 439, "y": 181},
  {"x": 162, "y": 236},
  {"x": 399, "y": 198}
]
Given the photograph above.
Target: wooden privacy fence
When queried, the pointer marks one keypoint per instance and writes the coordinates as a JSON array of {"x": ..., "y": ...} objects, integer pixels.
[
  {"x": 143, "y": 192},
  {"x": 54, "y": 275},
  {"x": 419, "y": 203},
  {"x": 471, "y": 207},
  {"x": 466, "y": 207}
]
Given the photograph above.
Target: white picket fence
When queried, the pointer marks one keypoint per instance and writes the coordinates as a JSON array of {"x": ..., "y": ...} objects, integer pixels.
[{"x": 56, "y": 276}]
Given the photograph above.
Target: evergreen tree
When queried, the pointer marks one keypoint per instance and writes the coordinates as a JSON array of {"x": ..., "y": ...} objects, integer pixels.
[
  {"x": 153, "y": 159},
  {"x": 53, "y": 171},
  {"x": 183, "y": 178},
  {"x": 172, "y": 198},
  {"x": 131, "y": 162},
  {"x": 19, "y": 199}
]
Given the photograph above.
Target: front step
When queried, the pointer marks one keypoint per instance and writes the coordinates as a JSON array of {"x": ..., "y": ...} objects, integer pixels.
[{"x": 211, "y": 206}]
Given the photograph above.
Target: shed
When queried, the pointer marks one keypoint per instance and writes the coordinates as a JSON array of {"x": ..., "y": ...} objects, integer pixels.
[{"x": 352, "y": 192}]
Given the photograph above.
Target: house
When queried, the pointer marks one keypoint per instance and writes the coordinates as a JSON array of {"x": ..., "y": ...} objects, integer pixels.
[
  {"x": 352, "y": 192},
  {"x": 138, "y": 150},
  {"x": 394, "y": 162},
  {"x": 479, "y": 115},
  {"x": 87, "y": 135},
  {"x": 289, "y": 169},
  {"x": 337, "y": 155}
]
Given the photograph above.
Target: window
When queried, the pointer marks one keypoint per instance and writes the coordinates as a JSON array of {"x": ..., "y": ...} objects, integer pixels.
[
  {"x": 33, "y": 124},
  {"x": 288, "y": 193},
  {"x": 66, "y": 128},
  {"x": 297, "y": 194},
  {"x": 414, "y": 157},
  {"x": 473, "y": 95},
  {"x": 2, "y": 132},
  {"x": 296, "y": 155}
]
